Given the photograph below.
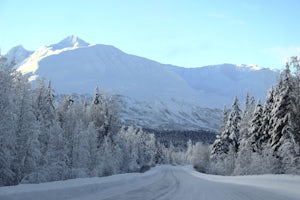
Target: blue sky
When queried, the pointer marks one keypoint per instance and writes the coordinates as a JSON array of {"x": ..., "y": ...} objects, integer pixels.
[{"x": 190, "y": 33}]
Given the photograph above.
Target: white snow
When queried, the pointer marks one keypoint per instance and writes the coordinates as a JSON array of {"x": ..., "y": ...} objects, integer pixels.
[
  {"x": 168, "y": 115},
  {"x": 74, "y": 66},
  {"x": 69, "y": 42},
  {"x": 17, "y": 54},
  {"x": 155, "y": 94},
  {"x": 228, "y": 81},
  {"x": 250, "y": 66},
  {"x": 278, "y": 183},
  {"x": 162, "y": 182}
]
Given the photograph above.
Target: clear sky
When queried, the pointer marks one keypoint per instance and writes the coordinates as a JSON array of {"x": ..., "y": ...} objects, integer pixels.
[{"x": 190, "y": 33}]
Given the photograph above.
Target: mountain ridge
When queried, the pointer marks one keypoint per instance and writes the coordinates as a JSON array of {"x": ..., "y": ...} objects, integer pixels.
[
  {"x": 154, "y": 95},
  {"x": 120, "y": 73}
]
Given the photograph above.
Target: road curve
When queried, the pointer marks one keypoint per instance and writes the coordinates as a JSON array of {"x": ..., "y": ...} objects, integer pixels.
[
  {"x": 177, "y": 183},
  {"x": 160, "y": 183}
]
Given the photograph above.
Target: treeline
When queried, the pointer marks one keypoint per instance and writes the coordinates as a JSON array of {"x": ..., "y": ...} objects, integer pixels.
[
  {"x": 45, "y": 139},
  {"x": 263, "y": 138},
  {"x": 180, "y": 138}
]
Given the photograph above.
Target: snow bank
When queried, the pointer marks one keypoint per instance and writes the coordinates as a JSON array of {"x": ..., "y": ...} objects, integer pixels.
[{"x": 277, "y": 183}]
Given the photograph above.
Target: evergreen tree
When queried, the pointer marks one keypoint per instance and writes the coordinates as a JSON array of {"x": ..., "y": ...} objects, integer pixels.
[
  {"x": 7, "y": 125},
  {"x": 225, "y": 147},
  {"x": 246, "y": 117},
  {"x": 233, "y": 125},
  {"x": 266, "y": 126},
  {"x": 224, "y": 118},
  {"x": 255, "y": 131},
  {"x": 283, "y": 141},
  {"x": 295, "y": 62}
]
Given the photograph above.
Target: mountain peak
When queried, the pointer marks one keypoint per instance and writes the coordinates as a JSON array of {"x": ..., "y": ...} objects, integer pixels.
[
  {"x": 70, "y": 41},
  {"x": 15, "y": 49},
  {"x": 17, "y": 54}
]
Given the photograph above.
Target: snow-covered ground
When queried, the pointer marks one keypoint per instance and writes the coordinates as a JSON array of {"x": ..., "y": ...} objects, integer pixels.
[{"x": 162, "y": 182}]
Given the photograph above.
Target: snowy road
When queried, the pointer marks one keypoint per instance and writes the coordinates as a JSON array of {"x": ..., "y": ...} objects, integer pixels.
[{"x": 162, "y": 182}]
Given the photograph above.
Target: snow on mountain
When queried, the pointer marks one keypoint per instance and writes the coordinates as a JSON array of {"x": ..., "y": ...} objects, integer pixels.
[
  {"x": 69, "y": 42},
  {"x": 154, "y": 94},
  {"x": 228, "y": 80},
  {"x": 32, "y": 63},
  {"x": 17, "y": 54},
  {"x": 171, "y": 115},
  {"x": 82, "y": 68}
]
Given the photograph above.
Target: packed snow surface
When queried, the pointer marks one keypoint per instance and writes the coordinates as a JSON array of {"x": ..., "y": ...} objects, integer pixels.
[{"x": 162, "y": 182}]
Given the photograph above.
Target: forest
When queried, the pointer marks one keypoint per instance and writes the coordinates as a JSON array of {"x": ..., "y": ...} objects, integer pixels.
[
  {"x": 264, "y": 137},
  {"x": 45, "y": 139}
]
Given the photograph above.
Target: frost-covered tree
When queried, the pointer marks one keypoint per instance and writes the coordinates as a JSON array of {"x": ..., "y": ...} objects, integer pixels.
[
  {"x": 224, "y": 118},
  {"x": 189, "y": 152},
  {"x": 103, "y": 114},
  {"x": 80, "y": 154},
  {"x": 96, "y": 116},
  {"x": 244, "y": 158},
  {"x": 130, "y": 145},
  {"x": 139, "y": 148},
  {"x": 233, "y": 125},
  {"x": 200, "y": 157},
  {"x": 27, "y": 147},
  {"x": 246, "y": 117},
  {"x": 7, "y": 137},
  {"x": 44, "y": 111},
  {"x": 295, "y": 63},
  {"x": 272, "y": 142},
  {"x": 147, "y": 148},
  {"x": 284, "y": 114},
  {"x": 56, "y": 155},
  {"x": 256, "y": 131},
  {"x": 250, "y": 123},
  {"x": 68, "y": 118},
  {"x": 91, "y": 134},
  {"x": 225, "y": 147},
  {"x": 266, "y": 121}
]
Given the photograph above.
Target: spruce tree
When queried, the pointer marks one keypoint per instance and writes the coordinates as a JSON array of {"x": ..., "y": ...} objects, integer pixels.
[
  {"x": 283, "y": 141},
  {"x": 225, "y": 147},
  {"x": 233, "y": 125},
  {"x": 246, "y": 117},
  {"x": 224, "y": 118},
  {"x": 255, "y": 129}
]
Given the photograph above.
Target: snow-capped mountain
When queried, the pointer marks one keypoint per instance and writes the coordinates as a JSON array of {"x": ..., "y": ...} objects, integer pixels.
[
  {"x": 229, "y": 80},
  {"x": 149, "y": 89},
  {"x": 17, "y": 54},
  {"x": 69, "y": 42},
  {"x": 79, "y": 67}
]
